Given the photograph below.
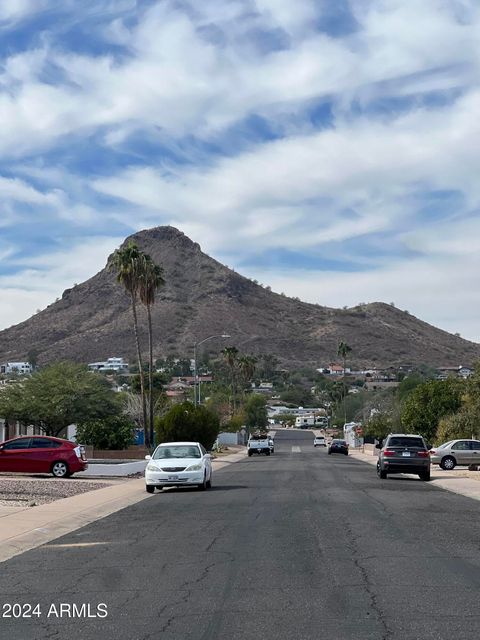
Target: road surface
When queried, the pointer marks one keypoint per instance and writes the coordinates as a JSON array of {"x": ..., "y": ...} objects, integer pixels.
[{"x": 298, "y": 545}]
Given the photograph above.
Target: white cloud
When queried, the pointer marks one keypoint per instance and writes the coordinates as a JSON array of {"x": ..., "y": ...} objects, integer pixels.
[
  {"x": 192, "y": 70},
  {"x": 41, "y": 279}
]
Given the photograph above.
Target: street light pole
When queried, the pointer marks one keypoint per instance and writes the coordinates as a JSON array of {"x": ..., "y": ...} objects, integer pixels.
[{"x": 196, "y": 382}]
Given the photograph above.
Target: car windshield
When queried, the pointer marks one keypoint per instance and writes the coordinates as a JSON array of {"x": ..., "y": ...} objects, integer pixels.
[
  {"x": 400, "y": 441},
  {"x": 338, "y": 442},
  {"x": 177, "y": 451}
]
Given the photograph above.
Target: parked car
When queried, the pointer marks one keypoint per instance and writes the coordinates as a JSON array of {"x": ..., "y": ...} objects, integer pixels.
[
  {"x": 456, "y": 452},
  {"x": 42, "y": 454},
  {"x": 319, "y": 441},
  {"x": 178, "y": 464},
  {"x": 338, "y": 446},
  {"x": 403, "y": 453}
]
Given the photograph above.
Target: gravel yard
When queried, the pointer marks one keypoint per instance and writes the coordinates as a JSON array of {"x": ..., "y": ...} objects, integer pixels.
[{"x": 30, "y": 492}]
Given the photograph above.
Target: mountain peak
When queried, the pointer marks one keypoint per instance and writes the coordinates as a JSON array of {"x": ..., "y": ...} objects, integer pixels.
[{"x": 203, "y": 297}]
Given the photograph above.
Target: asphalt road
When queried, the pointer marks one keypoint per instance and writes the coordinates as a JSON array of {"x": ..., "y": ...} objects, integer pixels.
[{"x": 298, "y": 545}]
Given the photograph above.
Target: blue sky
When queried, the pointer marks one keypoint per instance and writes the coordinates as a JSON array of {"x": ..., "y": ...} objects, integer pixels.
[{"x": 329, "y": 150}]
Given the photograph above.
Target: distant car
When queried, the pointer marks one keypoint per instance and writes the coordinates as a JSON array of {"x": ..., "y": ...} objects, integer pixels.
[
  {"x": 178, "y": 464},
  {"x": 319, "y": 441},
  {"x": 259, "y": 443},
  {"x": 456, "y": 453},
  {"x": 404, "y": 453},
  {"x": 42, "y": 454},
  {"x": 338, "y": 446}
]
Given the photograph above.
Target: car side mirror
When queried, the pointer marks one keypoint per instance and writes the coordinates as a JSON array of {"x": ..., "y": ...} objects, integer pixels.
[{"x": 148, "y": 457}]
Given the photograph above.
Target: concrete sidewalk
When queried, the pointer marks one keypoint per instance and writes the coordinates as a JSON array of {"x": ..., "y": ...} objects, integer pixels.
[
  {"x": 22, "y": 528},
  {"x": 461, "y": 481}
]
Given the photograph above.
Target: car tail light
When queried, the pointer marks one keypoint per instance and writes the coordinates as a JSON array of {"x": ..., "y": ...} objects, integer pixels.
[
  {"x": 80, "y": 452},
  {"x": 389, "y": 453},
  {"x": 423, "y": 454}
]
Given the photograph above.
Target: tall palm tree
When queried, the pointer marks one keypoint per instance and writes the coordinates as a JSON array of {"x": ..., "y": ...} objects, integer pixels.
[
  {"x": 343, "y": 350},
  {"x": 128, "y": 264},
  {"x": 231, "y": 354},
  {"x": 151, "y": 279},
  {"x": 246, "y": 365}
]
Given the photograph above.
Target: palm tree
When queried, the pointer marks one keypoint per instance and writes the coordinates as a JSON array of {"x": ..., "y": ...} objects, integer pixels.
[
  {"x": 128, "y": 264},
  {"x": 151, "y": 279},
  {"x": 231, "y": 354},
  {"x": 343, "y": 350},
  {"x": 246, "y": 365}
]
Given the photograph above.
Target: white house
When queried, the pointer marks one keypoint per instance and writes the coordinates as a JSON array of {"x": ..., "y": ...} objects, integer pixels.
[
  {"x": 112, "y": 364},
  {"x": 16, "y": 367}
]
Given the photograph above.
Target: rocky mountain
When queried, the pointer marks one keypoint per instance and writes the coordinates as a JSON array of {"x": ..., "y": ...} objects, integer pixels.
[{"x": 202, "y": 297}]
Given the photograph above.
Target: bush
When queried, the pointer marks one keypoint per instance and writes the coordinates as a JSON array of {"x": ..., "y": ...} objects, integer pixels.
[
  {"x": 428, "y": 403},
  {"x": 114, "y": 432},
  {"x": 459, "y": 425},
  {"x": 189, "y": 423}
]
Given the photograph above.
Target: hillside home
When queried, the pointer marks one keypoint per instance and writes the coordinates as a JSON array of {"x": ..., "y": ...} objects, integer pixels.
[
  {"x": 333, "y": 369},
  {"x": 21, "y": 368},
  {"x": 112, "y": 364}
]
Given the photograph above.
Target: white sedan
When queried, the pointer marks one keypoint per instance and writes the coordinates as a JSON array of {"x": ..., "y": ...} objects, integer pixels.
[{"x": 176, "y": 464}]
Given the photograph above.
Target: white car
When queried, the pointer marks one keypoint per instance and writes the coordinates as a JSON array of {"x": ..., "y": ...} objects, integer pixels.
[
  {"x": 319, "y": 441},
  {"x": 177, "y": 464}
]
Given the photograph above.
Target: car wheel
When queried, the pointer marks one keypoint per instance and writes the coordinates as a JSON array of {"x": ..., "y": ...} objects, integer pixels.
[
  {"x": 203, "y": 486},
  {"x": 448, "y": 463},
  {"x": 425, "y": 475},
  {"x": 60, "y": 469},
  {"x": 267, "y": 453},
  {"x": 249, "y": 454},
  {"x": 149, "y": 488},
  {"x": 380, "y": 473},
  {"x": 209, "y": 482}
]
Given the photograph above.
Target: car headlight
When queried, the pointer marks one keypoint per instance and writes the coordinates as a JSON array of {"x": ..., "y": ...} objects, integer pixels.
[
  {"x": 194, "y": 467},
  {"x": 152, "y": 467}
]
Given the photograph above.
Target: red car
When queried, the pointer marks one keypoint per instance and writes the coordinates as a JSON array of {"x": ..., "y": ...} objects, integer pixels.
[{"x": 42, "y": 454}]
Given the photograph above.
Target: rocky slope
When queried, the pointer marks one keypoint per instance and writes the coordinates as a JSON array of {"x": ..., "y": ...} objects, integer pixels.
[{"x": 92, "y": 321}]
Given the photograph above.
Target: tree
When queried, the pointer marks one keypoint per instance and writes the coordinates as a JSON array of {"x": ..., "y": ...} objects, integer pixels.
[
  {"x": 112, "y": 432},
  {"x": 456, "y": 426},
  {"x": 230, "y": 355},
  {"x": 246, "y": 366},
  {"x": 378, "y": 426},
  {"x": 57, "y": 396},
  {"x": 256, "y": 412},
  {"x": 428, "y": 403},
  {"x": 285, "y": 419},
  {"x": 343, "y": 350},
  {"x": 32, "y": 358},
  {"x": 128, "y": 264},
  {"x": 185, "y": 422},
  {"x": 151, "y": 279}
]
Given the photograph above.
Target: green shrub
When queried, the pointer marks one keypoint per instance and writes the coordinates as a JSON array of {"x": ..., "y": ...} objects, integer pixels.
[
  {"x": 114, "y": 432},
  {"x": 185, "y": 422}
]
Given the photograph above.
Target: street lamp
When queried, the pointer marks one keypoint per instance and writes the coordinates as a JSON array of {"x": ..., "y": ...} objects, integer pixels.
[{"x": 195, "y": 375}]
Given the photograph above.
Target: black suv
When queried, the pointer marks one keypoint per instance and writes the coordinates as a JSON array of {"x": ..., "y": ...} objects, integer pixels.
[{"x": 404, "y": 453}]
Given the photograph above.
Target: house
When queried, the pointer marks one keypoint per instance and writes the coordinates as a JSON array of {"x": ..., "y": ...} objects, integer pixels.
[
  {"x": 460, "y": 371},
  {"x": 334, "y": 369},
  {"x": 112, "y": 364},
  {"x": 21, "y": 368}
]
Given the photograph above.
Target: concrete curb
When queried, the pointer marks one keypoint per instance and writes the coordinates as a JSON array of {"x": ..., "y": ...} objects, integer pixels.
[{"x": 27, "y": 528}]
